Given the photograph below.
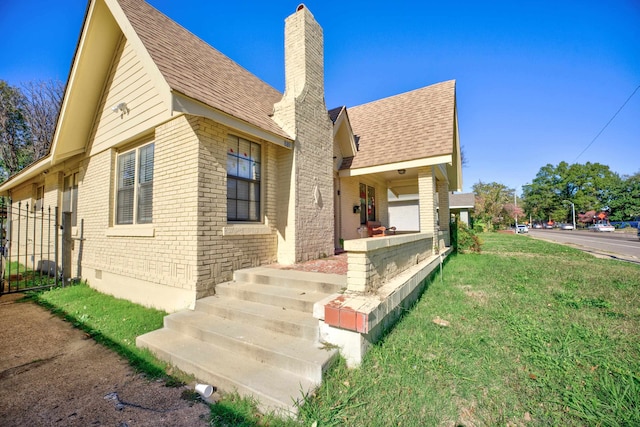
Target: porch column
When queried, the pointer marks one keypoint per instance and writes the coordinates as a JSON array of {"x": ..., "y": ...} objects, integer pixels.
[
  {"x": 427, "y": 201},
  {"x": 444, "y": 215}
]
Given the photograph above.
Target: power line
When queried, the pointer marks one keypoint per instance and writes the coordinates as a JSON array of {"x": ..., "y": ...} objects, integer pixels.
[{"x": 605, "y": 126}]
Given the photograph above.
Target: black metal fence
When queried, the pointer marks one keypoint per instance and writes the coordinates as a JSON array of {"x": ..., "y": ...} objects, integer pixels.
[{"x": 30, "y": 247}]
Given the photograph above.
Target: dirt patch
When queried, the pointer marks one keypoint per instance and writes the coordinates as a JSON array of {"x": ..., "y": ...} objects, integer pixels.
[
  {"x": 54, "y": 374},
  {"x": 478, "y": 296}
]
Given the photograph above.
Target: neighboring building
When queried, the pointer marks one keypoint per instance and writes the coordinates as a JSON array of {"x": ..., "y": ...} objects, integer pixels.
[
  {"x": 180, "y": 167},
  {"x": 462, "y": 204}
]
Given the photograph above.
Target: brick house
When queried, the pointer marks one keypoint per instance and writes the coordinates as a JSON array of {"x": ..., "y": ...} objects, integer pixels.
[{"x": 183, "y": 167}]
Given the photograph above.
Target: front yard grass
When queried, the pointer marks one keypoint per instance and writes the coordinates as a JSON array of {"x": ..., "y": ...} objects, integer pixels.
[{"x": 537, "y": 334}]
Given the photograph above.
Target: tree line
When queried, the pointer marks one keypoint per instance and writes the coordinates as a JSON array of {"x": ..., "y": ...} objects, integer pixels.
[
  {"x": 28, "y": 116},
  {"x": 593, "y": 189}
]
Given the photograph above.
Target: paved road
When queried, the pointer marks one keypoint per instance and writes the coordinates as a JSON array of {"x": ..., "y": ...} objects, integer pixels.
[{"x": 615, "y": 245}]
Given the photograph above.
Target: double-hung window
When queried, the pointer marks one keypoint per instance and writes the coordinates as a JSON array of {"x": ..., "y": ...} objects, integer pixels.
[
  {"x": 70, "y": 197},
  {"x": 243, "y": 180},
  {"x": 134, "y": 199},
  {"x": 37, "y": 206}
]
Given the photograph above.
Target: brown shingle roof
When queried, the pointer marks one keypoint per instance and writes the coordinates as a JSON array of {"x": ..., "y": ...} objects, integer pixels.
[
  {"x": 192, "y": 67},
  {"x": 413, "y": 125},
  {"x": 462, "y": 200}
]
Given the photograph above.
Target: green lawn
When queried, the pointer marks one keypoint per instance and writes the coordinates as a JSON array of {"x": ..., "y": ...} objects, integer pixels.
[{"x": 538, "y": 334}]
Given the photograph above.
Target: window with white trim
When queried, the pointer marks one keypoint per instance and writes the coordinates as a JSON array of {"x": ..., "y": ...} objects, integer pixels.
[
  {"x": 37, "y": 206},
  {"x": 134, "y": 191},
  {"x": 70, "y": 197},
  {"x": 243, "y": 180}
]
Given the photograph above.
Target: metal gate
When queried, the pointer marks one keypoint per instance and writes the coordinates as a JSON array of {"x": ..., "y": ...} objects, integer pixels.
[{"x": 30, "y": 247}]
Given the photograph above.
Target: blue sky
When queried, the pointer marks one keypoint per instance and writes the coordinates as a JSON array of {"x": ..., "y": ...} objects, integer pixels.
[{"x": 536, "y": 81}]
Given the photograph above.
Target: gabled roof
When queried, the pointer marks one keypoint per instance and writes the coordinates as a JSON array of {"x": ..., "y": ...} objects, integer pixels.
[
  {"x": 195, "y": 69},
  {"x": 410, "y": 126}
]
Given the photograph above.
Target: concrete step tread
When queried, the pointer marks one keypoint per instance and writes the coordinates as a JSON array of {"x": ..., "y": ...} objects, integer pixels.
[
  {"x": 292, "y": 278},
  {"x": 256, "y": 309},
  {"x": 294, "y": 348},
  {"x": 275, "y": 318},
  {"x": 276, "y": 291},
  {"x": 226, "y": 370}
]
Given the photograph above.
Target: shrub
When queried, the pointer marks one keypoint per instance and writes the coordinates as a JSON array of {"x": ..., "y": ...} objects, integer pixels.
[{"x": 464, "y": 239}]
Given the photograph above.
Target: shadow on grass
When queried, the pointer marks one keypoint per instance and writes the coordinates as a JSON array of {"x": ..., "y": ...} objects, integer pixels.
[
  {"x": 406, "y": 306},
  {"x": 137, "y": 362}
]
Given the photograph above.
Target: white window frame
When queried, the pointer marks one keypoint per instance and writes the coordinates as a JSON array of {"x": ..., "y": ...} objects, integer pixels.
[
  {"x": 135, "y": 220},
  {"x": 38, "y": 200},
  {"x": 70, "y": 196}
]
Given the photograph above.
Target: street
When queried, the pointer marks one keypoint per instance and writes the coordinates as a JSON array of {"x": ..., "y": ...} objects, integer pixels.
[{"x": 620, "y": 245}]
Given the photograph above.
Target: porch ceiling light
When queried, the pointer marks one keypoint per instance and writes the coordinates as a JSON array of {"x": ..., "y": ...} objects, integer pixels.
[{"x": 402, "y": 171}]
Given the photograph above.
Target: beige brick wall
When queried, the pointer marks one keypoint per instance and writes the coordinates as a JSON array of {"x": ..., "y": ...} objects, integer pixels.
[
  {"x": 222, "y": 247},
  {"x": 307, "y": 230},
  {"x": 167, "y": 258},
  {"x": 191, "y": 247},
  {"x": 375, "y": 261},
  {"x": 442, "y": 187},
  {"x": 427, "y": 201}
]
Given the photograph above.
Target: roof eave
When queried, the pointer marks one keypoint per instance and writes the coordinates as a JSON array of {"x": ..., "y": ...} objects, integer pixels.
[
  {"x": 35, "y": 169},
  {"x": 408, "y": 164},
  {"x": 187, "y": 105}
]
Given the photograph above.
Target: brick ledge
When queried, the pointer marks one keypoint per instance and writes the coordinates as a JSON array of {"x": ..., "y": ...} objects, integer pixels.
[{"x": 362, "y": 313}]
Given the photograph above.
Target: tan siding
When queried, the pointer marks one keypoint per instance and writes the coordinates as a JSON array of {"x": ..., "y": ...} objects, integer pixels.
[{"x": 129, "y": 82}]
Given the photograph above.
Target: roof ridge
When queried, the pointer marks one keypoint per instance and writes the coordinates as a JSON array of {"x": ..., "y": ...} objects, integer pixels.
[{"x": 409, "y": 92}]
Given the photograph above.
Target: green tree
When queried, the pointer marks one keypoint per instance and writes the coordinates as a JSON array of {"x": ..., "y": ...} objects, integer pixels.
[
  {"x": 589, "y": 187},
  {"x": 494, "y": 204},
  {"x": 28, "y": 119},
  {"x": 625, "y": 199},
  {"x": 14, "y": 133}
]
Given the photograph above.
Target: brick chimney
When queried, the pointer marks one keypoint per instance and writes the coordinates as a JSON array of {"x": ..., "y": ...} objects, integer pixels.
[{"x": 305, "y": 190}]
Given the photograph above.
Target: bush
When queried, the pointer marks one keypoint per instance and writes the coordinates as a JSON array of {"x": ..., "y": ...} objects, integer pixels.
[
  {"x": 479, "y": 227},
  {"x": 464, "y": 239}
]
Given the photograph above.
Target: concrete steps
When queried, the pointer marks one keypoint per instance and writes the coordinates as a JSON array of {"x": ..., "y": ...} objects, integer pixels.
[{"x": 256, "y": 336}]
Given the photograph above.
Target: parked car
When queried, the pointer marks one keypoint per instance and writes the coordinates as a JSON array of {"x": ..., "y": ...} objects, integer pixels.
[
  {"x": 566, "y": 226},
  {"x": 638, "y": 231},
  {"x": 522, "y": 228},
  {"x": 602, "y": 226},
  {"x": 537, "y": 226},
  {"x": 548, "y": 226}
]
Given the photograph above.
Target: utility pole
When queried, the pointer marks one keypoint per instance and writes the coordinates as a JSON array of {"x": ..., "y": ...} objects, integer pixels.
[
  {"x": 515, "y": 210},
  {"x": 573, "y": 212}
]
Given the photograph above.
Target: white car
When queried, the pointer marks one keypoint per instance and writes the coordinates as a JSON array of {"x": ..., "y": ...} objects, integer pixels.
[
  {"x": 602, "y": 226},
  {"x": 522, "y": 228},
  {"x": 566, "y": 227}
]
